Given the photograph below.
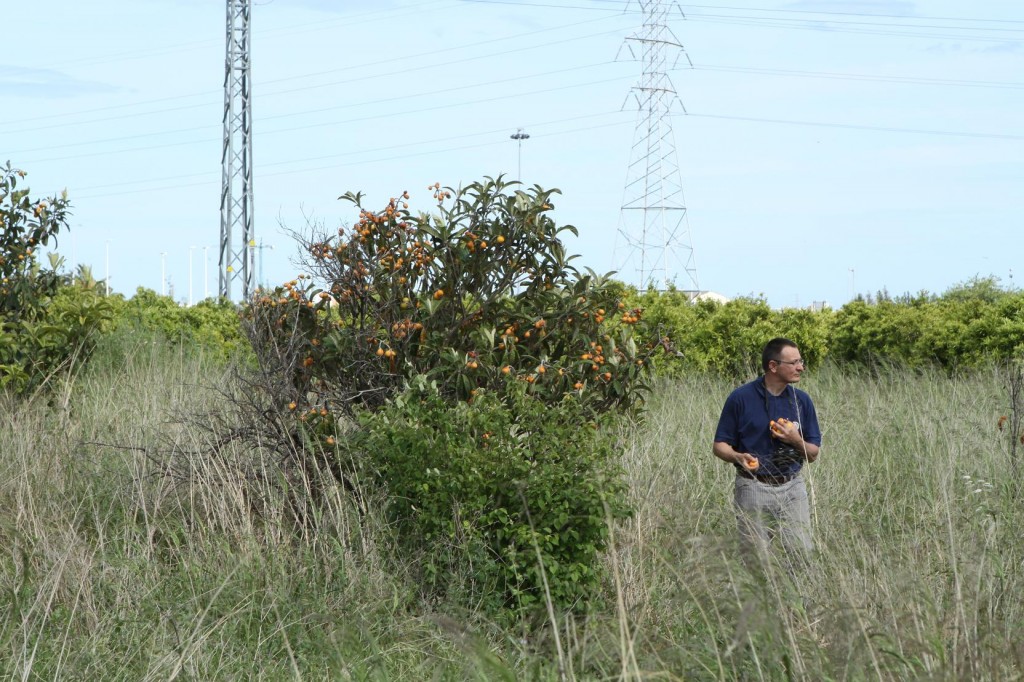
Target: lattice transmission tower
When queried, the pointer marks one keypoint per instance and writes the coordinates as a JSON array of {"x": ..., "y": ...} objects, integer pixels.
[
  {"x": 653, "y": 221},
  {"x": 236, "y": 203}
]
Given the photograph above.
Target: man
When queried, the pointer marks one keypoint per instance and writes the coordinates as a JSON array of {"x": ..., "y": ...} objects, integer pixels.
[{"x": 767, "y": 431}]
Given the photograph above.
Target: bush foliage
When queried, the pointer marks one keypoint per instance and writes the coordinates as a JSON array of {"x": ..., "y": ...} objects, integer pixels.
[
  {"x": 45, "y": 323},
  {"x": 972, "y": 324},
  {"x": 479, "y": 301},
  {"x": 488, "y": 496},
  {"x": 476, "y": 294},
  {"x": 213, "y": 324},
  {"x": 968, "y": 326},
  {"x": 51, "y": 319},
  {"x": 727, "y": 338}
]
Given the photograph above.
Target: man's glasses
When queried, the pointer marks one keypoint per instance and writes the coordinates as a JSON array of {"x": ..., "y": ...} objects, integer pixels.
[{"x": 791, "y": 362}]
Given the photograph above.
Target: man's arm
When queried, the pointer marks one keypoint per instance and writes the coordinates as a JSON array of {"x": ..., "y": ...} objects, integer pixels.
[{"x": 727, "y": 453}]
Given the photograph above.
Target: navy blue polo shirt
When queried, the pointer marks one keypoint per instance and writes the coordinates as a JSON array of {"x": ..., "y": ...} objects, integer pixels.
[{"x": 744, "y": 425}]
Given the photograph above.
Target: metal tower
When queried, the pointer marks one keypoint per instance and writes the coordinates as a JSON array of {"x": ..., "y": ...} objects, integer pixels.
[
  {"x": 236, "y": 204},
  {"x": 653, "y": 219}
]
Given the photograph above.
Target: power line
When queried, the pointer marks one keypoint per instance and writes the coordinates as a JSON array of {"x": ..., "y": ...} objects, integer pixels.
[
  {"x": 992, "y": 84},
  {"x": 855, "y": 126},
  {"x": 804, "y": 24},
  {"x": 498, "y": 132},
  {"x": 375, "y": 116},
  {"x": 846, "y": 14},
  {"x": 399, "y": 157},
  {"x": 361, "y": 66},
  {"x": 349, "y": 20},
  {"x": 540, "y": 125},
  {"x": 912, "y": 80},
  {"x": 835, "y": 27},
  {"x": 698, "y": 67},
  {"x": 622, "y": 10},
  {"x": 454, "y": 62},
  {"x": 623, "y": 6},
  {"x": 862, "y": 23}
]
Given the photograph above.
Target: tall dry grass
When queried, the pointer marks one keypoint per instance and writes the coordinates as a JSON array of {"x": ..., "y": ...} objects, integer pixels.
[
  {"x": 113, "y": 566},
  {"x": 917, "y": 524}
]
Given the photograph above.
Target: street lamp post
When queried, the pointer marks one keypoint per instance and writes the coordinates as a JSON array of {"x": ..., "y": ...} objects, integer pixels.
[
  {"x": 190, "y": 250},
  {"x": 519, "y": 136},
  {"x": 262, "y": 282}
]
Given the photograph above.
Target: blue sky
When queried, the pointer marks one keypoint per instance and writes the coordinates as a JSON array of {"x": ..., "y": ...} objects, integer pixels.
[{"x": 827, "y": 148}]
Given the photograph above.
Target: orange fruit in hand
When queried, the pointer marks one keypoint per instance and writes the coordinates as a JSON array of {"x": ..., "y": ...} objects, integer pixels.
[{"x": 751, "y": 464}]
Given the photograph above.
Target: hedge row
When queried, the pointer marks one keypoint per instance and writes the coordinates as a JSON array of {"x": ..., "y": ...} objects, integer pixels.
[{"x": 969, "y": 325}]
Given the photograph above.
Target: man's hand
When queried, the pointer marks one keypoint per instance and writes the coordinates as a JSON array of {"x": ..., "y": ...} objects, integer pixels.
[
  {"x": 789, "y": 433},
  {"x": 786, "y": 431},
  {"x": 727, "y": 453},
  {"x": 747, "y": 461}
]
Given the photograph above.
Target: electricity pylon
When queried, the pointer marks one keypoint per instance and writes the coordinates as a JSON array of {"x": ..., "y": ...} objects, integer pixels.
[
  {"x": 236, "y": 203},
  {"x": 653, "y": 220}
]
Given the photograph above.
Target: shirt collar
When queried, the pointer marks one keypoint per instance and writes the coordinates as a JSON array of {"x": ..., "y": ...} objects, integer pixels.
[{"x": 762, "y": 388}]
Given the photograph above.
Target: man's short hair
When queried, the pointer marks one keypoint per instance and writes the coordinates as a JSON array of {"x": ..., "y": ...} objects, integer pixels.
[{"x": 773, "y": 350}]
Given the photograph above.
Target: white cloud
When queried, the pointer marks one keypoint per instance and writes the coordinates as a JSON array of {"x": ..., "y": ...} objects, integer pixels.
[{"x": 47, "y": 84}]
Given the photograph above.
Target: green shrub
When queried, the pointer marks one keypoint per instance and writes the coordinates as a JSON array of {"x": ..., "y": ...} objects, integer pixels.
[
  {"x": 970, "y": 325},
  {"x": 726, "y": 338},
  {"x": 478, "y": 292},
  {"x": 479, "y": 301},
  {"x": 26, "y": 225},
  {"x": 490, "y": 494},
  {"x": 213, "y": 323},
  {"x": 32, "y": 346}
]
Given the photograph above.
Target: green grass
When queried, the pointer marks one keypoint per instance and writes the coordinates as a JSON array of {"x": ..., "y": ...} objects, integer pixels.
[{"x": 112, "y": 567}]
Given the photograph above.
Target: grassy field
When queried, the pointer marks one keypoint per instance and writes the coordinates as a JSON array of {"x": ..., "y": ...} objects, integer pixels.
[{"x": 111, "y": 568}]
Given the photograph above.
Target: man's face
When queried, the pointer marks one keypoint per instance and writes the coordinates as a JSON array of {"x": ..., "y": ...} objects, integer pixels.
[{"x": 789, "y": 366}]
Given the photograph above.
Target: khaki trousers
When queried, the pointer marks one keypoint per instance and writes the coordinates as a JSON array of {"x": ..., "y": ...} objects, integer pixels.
[{"x": 765, "y": 512}]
